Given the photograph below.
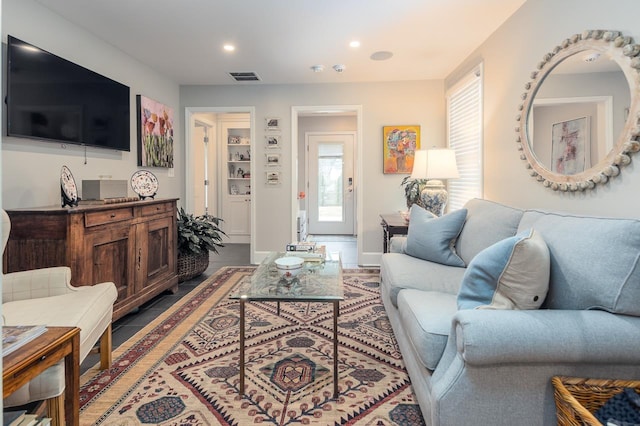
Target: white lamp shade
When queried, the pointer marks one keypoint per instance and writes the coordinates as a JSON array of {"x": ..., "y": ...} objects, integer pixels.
[
  {"x": 419, "y": 164},
  {"x": 435, "y": 164}
]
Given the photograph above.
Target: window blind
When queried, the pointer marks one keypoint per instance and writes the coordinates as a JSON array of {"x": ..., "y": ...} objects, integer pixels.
[{"x": 464, "y": 135}]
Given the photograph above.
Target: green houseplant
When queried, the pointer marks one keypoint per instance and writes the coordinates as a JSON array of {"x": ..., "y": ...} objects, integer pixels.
[
  {"x": 197, "y": 236},
  {"x": 412, "y": 189}
]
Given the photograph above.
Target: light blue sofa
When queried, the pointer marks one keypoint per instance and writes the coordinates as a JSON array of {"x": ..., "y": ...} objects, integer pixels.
[{"x": 473, "y": 367}]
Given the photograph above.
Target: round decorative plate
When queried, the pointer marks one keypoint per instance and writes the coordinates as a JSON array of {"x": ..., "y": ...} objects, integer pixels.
[
  {"x": 144, "y": 183},
  {"x": 68, "y": 184}
]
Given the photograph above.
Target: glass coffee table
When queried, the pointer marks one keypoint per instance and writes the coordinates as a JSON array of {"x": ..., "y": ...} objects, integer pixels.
[{"x": 317, "y": 282}]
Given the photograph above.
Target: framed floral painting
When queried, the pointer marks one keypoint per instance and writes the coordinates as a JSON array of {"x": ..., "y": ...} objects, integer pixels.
[
  {"x": 155, "y": 133},
  {"x": 399, "y": 146}
]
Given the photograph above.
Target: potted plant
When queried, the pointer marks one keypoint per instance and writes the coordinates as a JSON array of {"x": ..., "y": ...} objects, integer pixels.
[
  {"x": 197, "y": 236},
  {"x": 412, "y": 190}
]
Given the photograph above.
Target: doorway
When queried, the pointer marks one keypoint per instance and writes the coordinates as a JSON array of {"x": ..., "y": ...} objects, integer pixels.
[
  {"x": 330, "y": 183},
  {"x": 219, "y": 185},
  {"x": 204, "y": 194},
  {"x": 299, "y": 189}
]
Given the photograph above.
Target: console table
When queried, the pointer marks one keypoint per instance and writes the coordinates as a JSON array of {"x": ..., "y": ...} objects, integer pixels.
[
  {"x": 28, "y": 361},
  {"x": 132, "y": 244},
  {"x": 392, "y": 224}
]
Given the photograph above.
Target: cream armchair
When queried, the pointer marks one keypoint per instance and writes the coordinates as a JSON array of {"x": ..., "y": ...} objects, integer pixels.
[{"x": 46, "y": 296}]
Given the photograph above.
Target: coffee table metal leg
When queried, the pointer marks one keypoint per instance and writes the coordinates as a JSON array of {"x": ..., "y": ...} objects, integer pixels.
[
  {"x": 336, "y": 309},
  {"x": 242, "y": 346}
]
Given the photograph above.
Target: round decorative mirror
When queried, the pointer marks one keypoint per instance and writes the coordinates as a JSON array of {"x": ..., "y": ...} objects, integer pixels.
[{"x": 579, "y": 121}]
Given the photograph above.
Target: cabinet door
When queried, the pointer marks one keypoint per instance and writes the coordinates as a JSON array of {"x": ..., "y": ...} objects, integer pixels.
[
  {"x": 155, "y": 254},
  {"x": 108, "y": 256},
  {"x": 237, "y": 218}
]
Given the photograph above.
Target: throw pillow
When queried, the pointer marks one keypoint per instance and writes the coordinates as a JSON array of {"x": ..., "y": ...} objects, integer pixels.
[
  {"x": 511, "y": 274},
  {"x": 433, "y": 238}
]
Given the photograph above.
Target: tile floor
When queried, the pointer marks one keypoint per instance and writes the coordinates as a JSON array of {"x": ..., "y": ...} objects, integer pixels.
[{"x": 229, "y": 255}]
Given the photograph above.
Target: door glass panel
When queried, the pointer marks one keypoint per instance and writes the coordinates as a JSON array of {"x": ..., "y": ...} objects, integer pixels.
[{"x": 330, "y": 182}]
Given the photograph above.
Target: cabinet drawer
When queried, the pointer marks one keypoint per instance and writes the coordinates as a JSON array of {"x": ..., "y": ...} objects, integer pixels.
[
  {"x": 156, "y": 208},
  {"x": 108, "y": 216}
]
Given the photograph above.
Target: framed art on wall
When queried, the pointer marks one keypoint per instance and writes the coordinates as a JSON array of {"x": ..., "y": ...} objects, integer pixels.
[
  {"x": 273, "y": 178},
  {"x": 399, "y": 146},
  {"x": 272, "y": 141},
  {"x": 155, "y": 133},
  {"x": 272, "y": 123},
  {"x": 570, "y": 142},
  {"x": 273, "y": 159}
]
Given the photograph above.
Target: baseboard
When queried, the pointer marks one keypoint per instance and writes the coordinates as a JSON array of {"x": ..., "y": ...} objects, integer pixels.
[{"x": 370, "y": 259}]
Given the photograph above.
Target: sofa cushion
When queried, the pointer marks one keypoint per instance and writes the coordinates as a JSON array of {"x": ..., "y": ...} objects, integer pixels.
[
  {"x": 426, "y": 317},
  {"x": 433, "y": 238},
  {"x": 399, "y": 271},
  {"x": 487, "y": 223},
  {"x": 594, "y": 261},
  {"x": 511, "y": 274}
]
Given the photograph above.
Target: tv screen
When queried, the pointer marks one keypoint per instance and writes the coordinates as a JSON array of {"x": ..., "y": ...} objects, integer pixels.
[{"x": 50, "y": 98}]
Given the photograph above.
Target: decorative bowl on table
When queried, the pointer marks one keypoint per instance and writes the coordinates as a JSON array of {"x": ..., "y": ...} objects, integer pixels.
[{"x": 289, "y": 266}]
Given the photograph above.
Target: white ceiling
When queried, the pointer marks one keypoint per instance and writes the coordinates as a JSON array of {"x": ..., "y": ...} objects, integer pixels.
[{"x": 281, "y": 39}]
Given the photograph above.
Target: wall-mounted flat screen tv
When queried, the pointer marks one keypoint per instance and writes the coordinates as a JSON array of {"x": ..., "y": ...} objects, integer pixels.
[{"x": 52, "y": 99}]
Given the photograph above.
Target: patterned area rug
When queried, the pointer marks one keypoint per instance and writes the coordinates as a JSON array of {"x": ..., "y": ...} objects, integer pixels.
[{"x": 182, "y": 369}]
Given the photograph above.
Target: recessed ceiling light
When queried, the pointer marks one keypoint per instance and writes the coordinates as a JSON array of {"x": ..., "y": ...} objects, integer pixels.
[
  {"x": 354, "y": 43},
  {"x": 382, "y": 55},
  {"x": 229, "y": 47}
]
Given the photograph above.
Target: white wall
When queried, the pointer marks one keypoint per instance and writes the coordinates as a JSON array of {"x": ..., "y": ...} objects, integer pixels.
[
  {"x": 417, "y": 102},
  {"x": 509, "y": 56},
  {"x": 30, "y": 168}
]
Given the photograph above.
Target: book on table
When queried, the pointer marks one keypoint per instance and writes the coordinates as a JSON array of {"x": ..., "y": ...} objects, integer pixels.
[
  {"x": 301, "y": 246},
  {"x": 16, "y": 336},
  {"x": 13, "y": 418},
  {"x": 318, "y": 254},
  {"x": 29, "y": 420},
  {"x": 22, "y": 418}
]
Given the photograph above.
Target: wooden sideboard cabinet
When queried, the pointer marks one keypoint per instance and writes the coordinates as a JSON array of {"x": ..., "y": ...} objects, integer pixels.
[{"x": 133, "y": 244}]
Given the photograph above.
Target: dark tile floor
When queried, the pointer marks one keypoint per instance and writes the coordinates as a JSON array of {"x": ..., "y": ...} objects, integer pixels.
[{"x": 229, "y": 255}]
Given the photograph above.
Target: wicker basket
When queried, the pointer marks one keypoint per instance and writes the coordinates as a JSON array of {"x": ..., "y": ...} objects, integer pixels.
[
  {"x": 578, "y": 399},
  {"x": 191, "y": 265}
]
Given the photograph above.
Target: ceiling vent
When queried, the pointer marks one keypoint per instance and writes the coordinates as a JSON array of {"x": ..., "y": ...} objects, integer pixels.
[{"x": 244, "y": 76}]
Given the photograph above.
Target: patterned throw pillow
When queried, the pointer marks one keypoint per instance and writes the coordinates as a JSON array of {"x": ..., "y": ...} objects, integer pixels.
[
  {"x": 433, "y": 238},
  {"x": 511, "y": 274}
]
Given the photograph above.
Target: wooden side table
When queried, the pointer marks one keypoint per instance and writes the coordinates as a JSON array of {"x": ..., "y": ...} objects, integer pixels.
[
  {"x": 22, "y": 365},
  {"x": 392, "y": 224}
]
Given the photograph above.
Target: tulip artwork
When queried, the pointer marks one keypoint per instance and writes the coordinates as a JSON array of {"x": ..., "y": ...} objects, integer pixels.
[{"x": 155, "y": 133}]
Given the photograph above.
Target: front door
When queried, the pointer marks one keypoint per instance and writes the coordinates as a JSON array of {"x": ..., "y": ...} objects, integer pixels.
[{"x": 330, "y": 183}]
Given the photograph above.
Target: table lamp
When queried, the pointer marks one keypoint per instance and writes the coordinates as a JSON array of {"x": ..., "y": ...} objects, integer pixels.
[{"x": 434, "y": 165}]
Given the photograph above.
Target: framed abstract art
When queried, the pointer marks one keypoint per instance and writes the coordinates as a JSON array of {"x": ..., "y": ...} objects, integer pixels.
[
  {"x": 399, "y": 146},
  {"x": 571, "y": 146}
]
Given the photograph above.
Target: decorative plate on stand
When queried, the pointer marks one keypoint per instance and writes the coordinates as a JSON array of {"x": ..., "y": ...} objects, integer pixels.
[
  {"x": 68, "y": 188},
  {"x": 145, "y": 184}
]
